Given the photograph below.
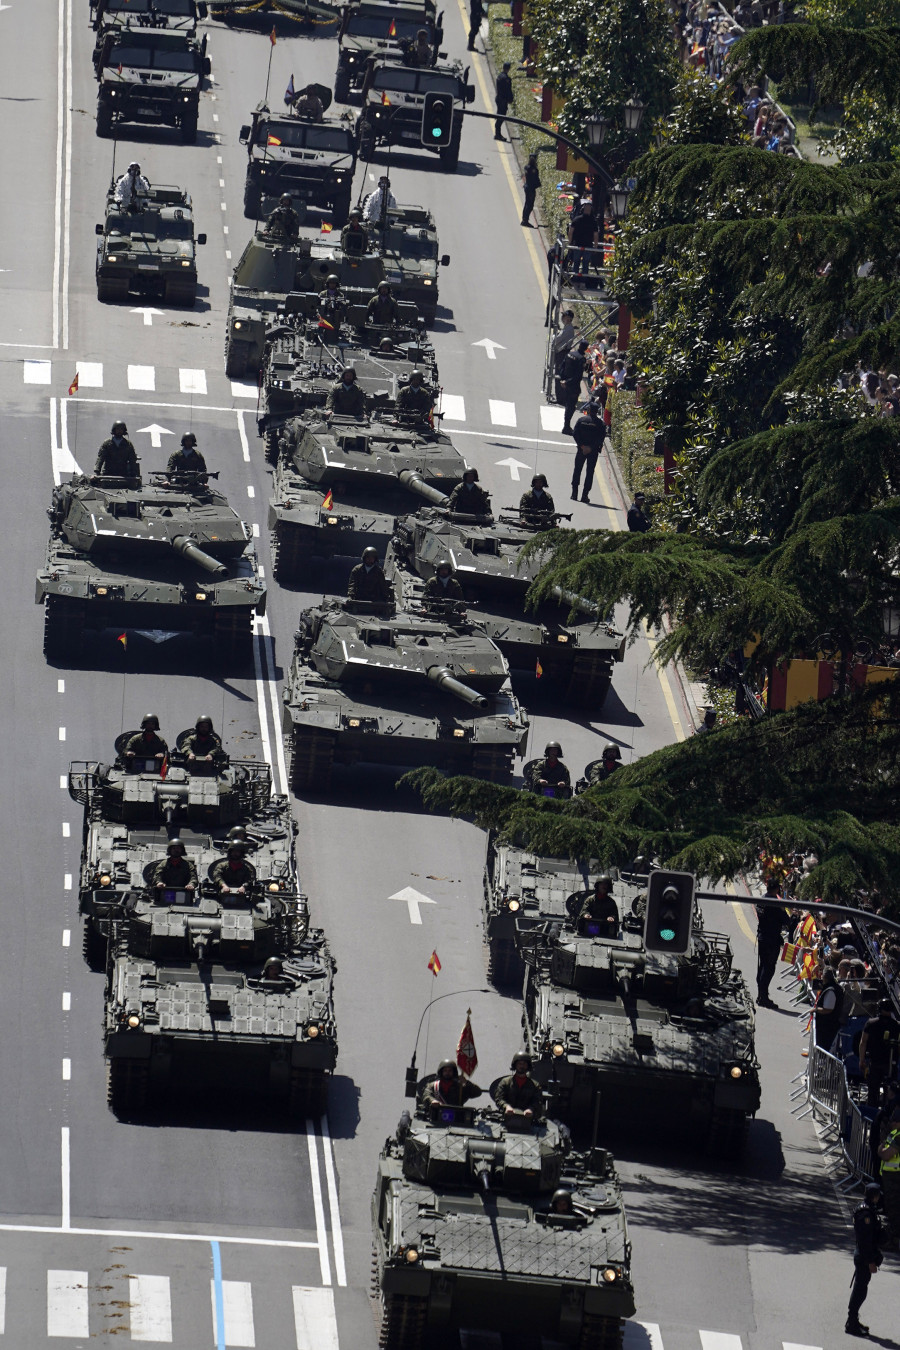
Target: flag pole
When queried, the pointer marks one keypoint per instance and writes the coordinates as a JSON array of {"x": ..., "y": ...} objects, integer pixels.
[
  {"x": 269, "y": 71},
  {"x": 428, "y": 1014}
]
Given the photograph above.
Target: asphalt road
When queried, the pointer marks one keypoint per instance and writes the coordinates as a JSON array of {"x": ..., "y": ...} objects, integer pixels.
[{"x": 196, "y": 1231}]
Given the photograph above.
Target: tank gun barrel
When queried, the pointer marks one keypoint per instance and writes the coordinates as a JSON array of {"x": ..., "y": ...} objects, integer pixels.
[
  {"x": 188, "y": 549},
  {"x": 416, "y": 483},
  {"x": 442, "y": 677}
]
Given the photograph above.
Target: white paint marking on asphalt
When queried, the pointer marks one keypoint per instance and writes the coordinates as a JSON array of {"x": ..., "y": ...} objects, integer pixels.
[
  {"x": 255, "y": 530},
  {"x": 314, "y": 1319},
  {"x": 156, "y": 433},
  {"x": 67, "y": 181},
  {"x": 67, "y": 1303},
  {"x": 452, "y": 407},
  {"x": 63, "y": 781},
  {"x": 60, "y": 686},
  {"x": 274, "y": 700},
  {"x": 62, "y": 733},
  {"x": 65, "y": 1171},
  {"x": 3, "y": 1268},
  {"x": 491, "y": 347},
  {"x": 514, "y": 465},
  {"x": 413, "y": 899},
  {"x": 192, "y": 381},
  {"x": 221, "y": 180},
  {"x": 67, "y": 881},
  {"x": 37, "y": 372},
  {"x": 251, "y": 491},
  {"x": 142, "y": 1233},
  {"x": 228, "y": 254},
  {"x": 222, "y": 206},
  {"x": 218, "y": 157},
  {"x": 90, "y": 374},
  {"x": 791, "y": 1345},
  {"x": 66, "y": 1001},
  {"x": 142, "y": 377},
  {"x": 502, "y": 414},
  {"x": 635, "y": 1341},
  {"x": 150, "y": 1300},
  {"x": 67, "y": 937},
  {"x": 242, "y": 432},
  {"x": 552, "y": 418},
  {"x": 241, "y": 389},
  {"x": 66, "y": 1070},
  {"x": 237, "y": 1313},
  {"x": 719, "y": 1340},
  {"x": 258, "y": 644},
  {"x": 67, "y": 829},
  {"x": 148, "y": 314},
  {"x": 321, "y": 1233},
  {"x": 262, "y": 571},
  {"x": 372, "y": 177},
  {"x": 215, "y": 117},
  {"x": 65, "y": 461},
  {"x": 60, "y": 160},
  {"x": 337, "y": 1233}
]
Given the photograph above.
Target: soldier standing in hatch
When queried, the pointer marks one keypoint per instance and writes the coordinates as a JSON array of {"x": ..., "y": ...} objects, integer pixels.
[
  {"x": 382, "y": 309},
  {"x": 146, "y": 743},
  {"x": 354, "y": 235},
  {"x": 599, "y": 908},
  {"x": 550, "y": 771},
  {"x": 414, "y": 399},
  {"x": 448, "y": 1089},
  {"x": 536, "y": 507},
  {"x": 176, "y": 872},
  {"x": 284, "y": 220},
  {"x": 233, "y": 875},
  {"x": 367, "y": 580},
  {"x": 518, "y": 1093},
  {"x": 443, "y": 585},
  {"x": 203, "y": 744},
  {"x": 346, "y": 398},
  {"x": 188, "y": 459},
  {"x": 468, "y": 499},
  {"x": 117, "y": 457}
]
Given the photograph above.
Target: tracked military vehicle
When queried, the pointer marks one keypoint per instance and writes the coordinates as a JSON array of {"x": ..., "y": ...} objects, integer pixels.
[
  {"x": 170, "y": 558},
  {"x": 398, "y": 689},
  {"x": 407, "y": 240},
  {"x": 372, "y": 471},
  {"x": 380, "y": 28},
  {"x": 575, "y": 658},
  {"x": 467, "y": 1236},
  {"x": 617, "y": 1030},
  {"x": 173, "y": 15},
  {"x": 151, "y": 76},
  {"x": 313, "y": 161},
  {"x": 150, "y": 250},
  {"x": 273, "y": 268},
  {"x": 393, "y": 105}
]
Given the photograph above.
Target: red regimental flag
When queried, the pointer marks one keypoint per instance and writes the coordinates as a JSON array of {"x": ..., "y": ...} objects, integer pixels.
[
  {"x": 466, "y": 1054},
  {"x": 434, "y": 965},
  {"x": 323, "y": 323}
]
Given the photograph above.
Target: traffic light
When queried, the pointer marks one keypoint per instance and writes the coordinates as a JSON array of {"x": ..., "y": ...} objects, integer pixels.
[
  {"x": 670, "y": 909},
  {"x": 437, "y": 119}
]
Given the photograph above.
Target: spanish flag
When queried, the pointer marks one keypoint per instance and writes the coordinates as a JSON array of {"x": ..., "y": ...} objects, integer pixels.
[
  {"x": 164, "y": 767},
  {"x": 385, "y": 101},
  {"x": 326, "y": 227},
  {"x": 328, "y": 503},
  {"x": 273, "y": 140},
  {"x": 392, "y": 31},
  {"x": 272, "y": 35},
  {"x": 538, "y": 669},
  {"x": 434, "y": 965},
  {"x": 73, "y": 387},
  {"x": 323, "y": 323},
  {"x": 123, "y": 638},
  {"x": 807, "y": 930}
]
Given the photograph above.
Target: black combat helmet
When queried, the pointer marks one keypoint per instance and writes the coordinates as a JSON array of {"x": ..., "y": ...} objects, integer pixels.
[
  {"x": 236, "y": 849},
  {"x": 561, "y": 1197},
  {"x": 553, "y": 745},
  {"x": 189, "y": 438},
  {"x": 285, "y": 199},
  {"x": 520, "y": 1054},
  {"x": 237, "y": 833},
  {"x": 203, "y": 720},
  {"x": 611, "y": 751},
  {"x": 873, "y": 1193},
  {"x": 442, "y": 563},
  {"x": 175, "y": 846},
  {"x": 416, "y": 377},
  {"x": 539, "y": 480},
  {"x": 348, "y": 370},
  {"x": 470, "y": 476},
  {"x": 448, "y": 1064},
  {"x": 119, "y": 429},
  {"x": 332, "y": 279},
  {"x": 370, "y": 554},
  {"x": 355, "y": 214},
  {"x": 149, "y": 722}
]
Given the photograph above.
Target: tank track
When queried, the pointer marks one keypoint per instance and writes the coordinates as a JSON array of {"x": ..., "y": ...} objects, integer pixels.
[
  {"x": 308, "y": 1094},
  {"x": 63, "y": 628},
  {"x": 493, "y": 765},
  {"x": 589, "y": 681},
  {"x": 403, "y": 1322},
  {"x": 312, "y": 755},
  {"x": 291, "y": 555},
  {"x": 506, "y": 969},
  {"x": 601, "y": 1333},
  {"x": 127, "y": 1081}
]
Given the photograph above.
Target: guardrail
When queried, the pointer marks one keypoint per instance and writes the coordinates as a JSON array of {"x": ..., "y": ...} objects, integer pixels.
[{"x": 828, "y": 1099}]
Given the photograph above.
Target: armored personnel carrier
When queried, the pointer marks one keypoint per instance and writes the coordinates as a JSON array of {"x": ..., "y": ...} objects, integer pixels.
[
  {"x": 173, "y": 15},
  {"x": 616, "y": 1029},
  {"x": 398, "y": 689},
  {"x": 174, "y": 558},
  {"x": 150, "y": 250},
  {"x": 393, "y": 105},
  {"x": 467, "y": 1235},
  {"x": 272, "y": 268},
  {"x": 149, "y": 75},
  {"x": 380, "y": 29},
  {"x": 576, "y": 659},
  {"x": 372, "y": 471},
  {"x": 407, "y": 240},
  {"x": 313, "y": 161}
]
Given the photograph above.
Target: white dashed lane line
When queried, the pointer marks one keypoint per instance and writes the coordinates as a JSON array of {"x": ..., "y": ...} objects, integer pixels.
[
  {"x": 67, "y": 937},
  {"x": 62, "y": 733},
  {"x": 66, "y": 1001},
  {"x": 67, "y": 881},
  {"x": 60, "y": 686},
  {"x": 66, "y": 1070}
]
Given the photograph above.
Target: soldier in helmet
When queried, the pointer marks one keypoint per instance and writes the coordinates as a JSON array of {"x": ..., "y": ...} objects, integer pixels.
[
  {"x": 610, "y": 760},
  {"x": 414, "y": 398},
  {"x": 308, "y": 105},
  {"x": 332, "y": 307},
  {"x": 867, "y": 1256},
  {"x": 367, "y": 580},
  {"x": 599, "y": 909},
  {"x": 284, "y": 220},
  {"x": 443, "y": 585},
  {"x": 346, "y": 398},
  {"x": 561, "y": 1202},
  {"x": 188, "y": 459},
  {"x": 132, "y": 189},
  {"x": 354, "y": 235},
  {"x": 536, "y": 507},
  {"x": 382, "y": 308},
  {"x": 176, "y": 872},
  {"x": 448, "y": 1089},
  {"x": 203, "y": 745},
  {"x": 116, "y": 457},
  {"x": 146, "y": 743},
  {"x": 233, "y": 875},
  {"x": 518, "y": 1093},
  {"x": 468, "y": 499},
  {"x": 550, "y": 772}
]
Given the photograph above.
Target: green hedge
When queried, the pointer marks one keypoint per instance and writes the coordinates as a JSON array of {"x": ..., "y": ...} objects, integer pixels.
[{"x": 632, "y": 442}]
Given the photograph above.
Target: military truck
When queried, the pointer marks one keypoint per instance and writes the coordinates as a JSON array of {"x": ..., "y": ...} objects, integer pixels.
[
  {"x": 272, "y": 268},
  {"x": 150, "y": 250},
  {"x": 371, "y": 686},
  {"x": 574, "y": 658},
  {"x": 407, "y": 240},
  {"x": 618, "y": 1030},
  {"x": 313, "y": 161},
  {"x": 151, "y": 76},
  {"x": 393, "y": 105},
  {"x": 468, "y": 1236},
  {"x": 380, "y": 28},
  {"x": 167, "y": 557},
  {"x": 173, "y": 15}
]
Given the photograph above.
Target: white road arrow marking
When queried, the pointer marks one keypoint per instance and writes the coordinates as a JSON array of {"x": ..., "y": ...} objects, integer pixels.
[
  {"x": 413, "y": 899},
  {"x": 491, "y": 347},
  {"x": 147, "y": 313},
  {"x": 156, "y": 434},
  {"x": 514, "y": 465}
]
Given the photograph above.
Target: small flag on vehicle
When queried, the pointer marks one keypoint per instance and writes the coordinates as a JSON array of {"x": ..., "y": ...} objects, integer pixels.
[
  {"x": 289, "y": 92},
  {"x": 123, "y": 638},
  {"x": 385, "y": 101},
  {"x": 73, "y": 387},
  {"x": 323, "y": 323},
  {"x": 328, "y": 503},
  {"x": 326, "y": 227},
  {"x": 273, "y": 140},
  {"x": 272, "y": 35},
  {"x": 466, "y": 1054},
  {"x": 538, "y": 669},
  {"x": 392, "y": 31},
  {"x": 434, "y": 965},
  {"x": 164, "y": 767}
]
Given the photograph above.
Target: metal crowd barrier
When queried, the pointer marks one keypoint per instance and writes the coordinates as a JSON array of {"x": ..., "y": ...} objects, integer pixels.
[{"x": 829, "y": 1101}]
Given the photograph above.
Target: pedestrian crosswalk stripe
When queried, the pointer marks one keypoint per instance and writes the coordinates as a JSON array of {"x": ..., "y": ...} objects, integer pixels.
[
  {"x": 237, "y": 1314},
  {"x": 90, "y": 374},
  {"x": 552, "y": 418},
  {"x": 241, "y": 390},
  {"x": 314, "y": 1319},
  {"x": 792, "y": 1345},
  {"x": 141, "y": 377},
  {"x": 192, "y": 381},
  {"x": 719, "y": 1340},
  {"x": 502, "y": 414},
  {"x": 150, "y": 1300},
  {"x": 37, "y": 372},
  {"x": 67, "y": 1303},
  {"x": 2, "y": 1300},
  {"x": 453, "y": 407}
]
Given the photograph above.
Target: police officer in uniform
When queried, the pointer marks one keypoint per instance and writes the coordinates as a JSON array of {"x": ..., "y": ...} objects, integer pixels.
[
  {"x": 550, "y": 771},
  {"x": 599, "y": 908},
  {"x": 468, "y": 499},
  {"x": 147, "y": 743},
  {"x": 414, "y": 399},
  {"x": 889, "y": 1154},
  {"x": 188, "y": 459},
  {"x": 346, "y": 398},
  {"x": 117, "y": 457},
  {"x": 176, "y": 872},
  {"x": 203, "y": 745},
  {"x": 284, "y": 220},
  {"x": 770, "y": 924},
  {"x": 448, "y": 1089},
  {"x": 443, "y": 585},
  {"x": 367, "y": 580},
  {"x": 354, "y": 235},
  {"x": 536, "y": 507},
  {"x": 518, "y": 1093},
  {"x": 867, "y": 1257},
  {"x": 233, "y": 875},
  {"x": 382, "y": 309}
]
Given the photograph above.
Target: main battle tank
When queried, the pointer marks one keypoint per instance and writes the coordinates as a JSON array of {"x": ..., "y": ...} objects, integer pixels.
[
  {"x": 575, "y": 658},
  {"x": 375, "y": 470},
  {"x": 399, "y": 689},
  {"x": 466, "y": 1237},
  {"x": 176, "y": 559},
  {"x": 621, "y": 1031}
]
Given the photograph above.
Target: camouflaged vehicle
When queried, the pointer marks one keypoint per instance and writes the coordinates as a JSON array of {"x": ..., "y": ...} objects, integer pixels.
[
  {"x": 173, "y": 15},
  {"x": 379, "y": 28},
  {"x": 466, "y": 1237},
  {"x": 151, "y": 76},
  {"x": 393, "y": 105},
  {"x": 149, "y": 251},
  {"x": 407, "y": 240},
  {"x": 575, "y": 658},
  {"x": 398, "y": 689},
  {"x": 175, "y": 559},
  {"x": 312, "y": 161},
  {"x": 274, "y": 273},
  {"x": 618, "y": 1031}
]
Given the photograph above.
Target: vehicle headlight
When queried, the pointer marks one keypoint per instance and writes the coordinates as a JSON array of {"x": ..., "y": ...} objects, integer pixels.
[
  {"x": 313, "y": 1030},
  {"x": 273, "y": 886},
  {"x": 106, "y": 879},
  {"x": 737, "y": 1072},
  {"x": 458, "y": 732},
  {"x": 101, "y": 590},
  {"x": 558, "y": 1050},
  {"x": 133, "y": 1020},
  {"x": 426, "y": 282},
  {"x": 238, "y": 324},
  {"x": 185, "y": 262},
  {"x": 412, "y": 1256},
  {"x": 200, "y": 595},
  {"x": 513, "y": 906},
  {"x": 610, "y": 1275},
  {"x": 112, "y": 257},
  {"x": 352, "y": 721},
  {"x": 562, "y": 637}
]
